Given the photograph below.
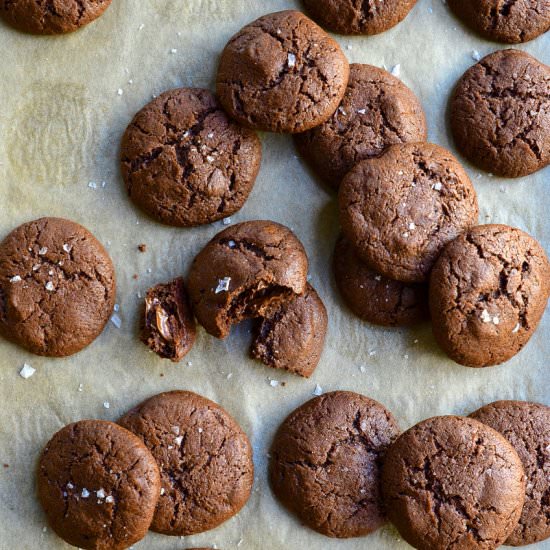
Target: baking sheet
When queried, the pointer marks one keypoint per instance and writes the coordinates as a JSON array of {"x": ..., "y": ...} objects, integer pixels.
[{"x": 61, "y": 119}]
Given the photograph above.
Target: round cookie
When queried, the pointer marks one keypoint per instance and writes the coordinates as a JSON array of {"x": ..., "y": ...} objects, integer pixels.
[
  {"x": 377, "y": 110},
  {"x": 399, "y": 210},
  {"x": 509, "y": 22},
  {"x": 51, "y": 17},
  {"x": 292, "y": 334},
  {"x": 359, "y": 16},
  {"x": 57, "y": 287},
  {"x": 452, "y": 482},
  {"x": 527, "y": 427},
  {"x": 98, "y": 485},
  {"x": 242, "y": 271},
  {"x": 185, "y": 163},
  {"x": 326, "y": 459},
  {"x": 373, "y": 297},
  {"x": 205, "y": 460},
  {"x": 488, "y": 292},
  {"x": 282, "y": 73},
  {"x": 500, "y": 114}
]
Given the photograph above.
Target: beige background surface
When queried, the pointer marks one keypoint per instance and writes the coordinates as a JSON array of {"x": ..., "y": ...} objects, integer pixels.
[{"x": 61, "y": 120}]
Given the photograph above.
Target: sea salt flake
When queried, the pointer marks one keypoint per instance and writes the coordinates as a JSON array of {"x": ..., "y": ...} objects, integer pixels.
[
  {"x": 516, "y": 328},
  {"x": 107, "y": 405},
  {"x": 200, "y": 430},
  {"x": 437, "y": 186},
  {"x": 396, "y": 70},
  {"x": 378, "y": 278},
  {"x": 371, "y": 353},
  {"x": 223, "y": 285},
  {"x": 496, "y": 320},
  {"x": 173, "y": 50},
  {"x": 27, "y": 371},
  {"x": 229, "y": 375},
  {"x": 273, "y": 383},
  {"x": 412, "y": 226},
  {"x": 120, "y": 91},
  {"x": 210, "y": 135},
  {"x": 67, "y": 248},
  {"x": 485, "y": 316},
  {"x": 210, "y": 158},
  {"x": 141, "y": 27},
  {"x": 85, "y": 493},
  {"x": 232, "y": 244},
  {"x": 291, "y": 60},
  {"x": 318, "y": 390},
  {"x": 110, "y": 499},
  {"x": 178, "y": 440},
  {"x": 49, "y": 286},
  {"x": 116, "y": 307},
  {"x": 162, "y": 491},
  {"x": 476, "y": 56},
  {"x": 80, "y": 387},
  {"x": 363, "y": 369},
  {"x": 101, "y": 494},
  {"x": 227, "y": 221},
  {"x": 16, "y": 279},
  {"x": 342, "y": 110},
  {"x": 36, "y": 267},
  {"x": 175, "y": 430},
  {"x": 116, "y": 320},
  {"x": 361, "y": 111},
  {"x": 70, "y": 485},
  {"x": 406, "y": 234},
  {"x": 43, "y": 251}
]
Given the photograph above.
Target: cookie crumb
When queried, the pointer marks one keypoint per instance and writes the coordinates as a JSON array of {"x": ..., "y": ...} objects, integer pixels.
[
  {"x": 27, "y": 371},
  {"x": 142, "y": 247}
]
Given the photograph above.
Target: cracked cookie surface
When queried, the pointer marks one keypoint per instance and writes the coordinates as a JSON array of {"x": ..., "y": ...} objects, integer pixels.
[
  {"x": 500, "y": 114},
  {"x": 359, "y": 16},
  {"x": 399, "y": 210},
  {"x": 57, "y": 287},
  {"x": 242, "y": 271},
  {"x": 98, "y": 485},
  {"x": 282, "y": 73},
  {"x": 291, "y": 335},
  {"x": 488, "y": 292},
  {"x": 453, "y": 483},
  {"x": 509, "y": 21},
  {"x": 205, "y": 460},
  {"x": 51, "y": 16},
  {"x": 185, "y": 163},
  {"x": 326, "y": 459},
  {"x": 377, "y": 110},
  {"x": 373, "y": 297},
  {"x": 527, "y": 427}
]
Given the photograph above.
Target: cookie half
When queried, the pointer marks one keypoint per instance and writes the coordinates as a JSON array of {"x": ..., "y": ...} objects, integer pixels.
[
  {"x": 527, "y": 427},
  {"x": 452, "y": 482},
  {"x": 488, "y": 292},
  {"x": 500, "y": 114},
  {"x": 51, "y": 17},
  {"x": 400, "y": 209},
  {"x": 98, "y": 485},
  {"x": 242, "y": 271},
  {"x": 282, "y": 73},
  {"x": 205, "y": 460},
  {"x": 185, "y": 163},
  {"x": 325, "y": 463},
  {"x": 57, "y": 287},
  {"x": 377, "y": 110},
  {"x": 509, "y": 22}
]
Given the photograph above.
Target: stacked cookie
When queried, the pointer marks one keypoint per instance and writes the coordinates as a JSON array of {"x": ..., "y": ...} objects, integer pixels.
[
  {"x": 178, "y": 464},
  {"x": 340, "y": 464}
]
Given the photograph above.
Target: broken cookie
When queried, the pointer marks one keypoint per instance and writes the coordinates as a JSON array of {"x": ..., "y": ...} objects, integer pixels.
[
  {"x": 292, "y": 334},
  {"x": 243, "y": 271},
  {"x": 168, "y": 325}
]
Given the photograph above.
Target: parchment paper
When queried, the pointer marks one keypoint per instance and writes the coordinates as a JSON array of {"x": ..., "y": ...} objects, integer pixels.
[{"x": 61, "y": 119}]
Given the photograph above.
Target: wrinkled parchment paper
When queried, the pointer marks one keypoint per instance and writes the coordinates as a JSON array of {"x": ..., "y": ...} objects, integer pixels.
[{"x": 65, "y": 102}]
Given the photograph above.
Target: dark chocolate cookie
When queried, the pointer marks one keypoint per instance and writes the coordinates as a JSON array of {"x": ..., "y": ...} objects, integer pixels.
[
  {"x": 326, "y": 459},
  {"x": 185, "y": 163},
  {"x": 51, "y": 16},
  {"x": 168, "y": 324},
  {"x": 500, "y": 114},
  {"x": 527, "y": 427},
  {"x": 400, "y": 209},
  {"x": 373, "y": 297},
  {"x": 504, "y": 21},
  {"x": 291, "y": 335},
  {"x": 98, "y": 485},
  {"x": 205, "y": 460},
  {"x": 453, "y": 483},
  {"x": 359, "y": 16},
  {"x": 378, "y": 110},
  {"x": 282, "y": 73},
  {"x": 57, "y": 287},
  {"x": 242, "y": 271},
  {"x": 488, "y": 292}
]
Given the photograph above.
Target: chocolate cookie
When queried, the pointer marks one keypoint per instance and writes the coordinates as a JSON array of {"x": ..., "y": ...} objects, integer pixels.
[
  {"x": 168, "y": 324},
  {"x": 292, "y": 333},
  {"x": 53, "y": 16},
  {"x": 359, "y": 16},
  {"x": 326, "y": 459},
  {"x": 185, "y": 163},
  {"x": 98, "y": 485},
  {"x": 282, "y": 73},
  {"x": 488, "y": 291},
  {"x": 510, "y": 22},
  {"x": 205, "y": 460},
  {"x": 452, "y": 482},
  {"x": 500, "y": 114},
  {"x": 378, "y": 110},
  {"x": 57, "y": 287},
  {"x": 373, "y": 297},
  {"x": 527, "y": 427},
  {"x": 242, "y": 271},
  {"x": 400, "y": 209}
]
